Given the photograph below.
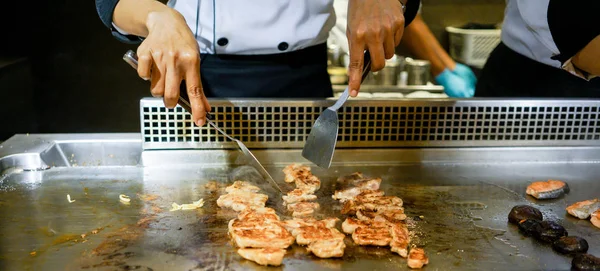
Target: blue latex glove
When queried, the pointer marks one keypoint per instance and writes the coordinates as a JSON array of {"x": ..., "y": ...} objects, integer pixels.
[
  {"x": 465, "y": 72},
  {"x": 456, "y": 86}
]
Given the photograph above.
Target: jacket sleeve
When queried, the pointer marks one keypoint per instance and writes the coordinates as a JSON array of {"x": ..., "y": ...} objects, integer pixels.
[
  {"x": 573, "y": 24},
  {"x": 412, "y": 8},
  {"x": 105, "y": 10}
]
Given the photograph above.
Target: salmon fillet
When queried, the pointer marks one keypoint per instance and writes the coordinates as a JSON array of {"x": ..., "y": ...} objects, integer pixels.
[
  {"x": 240, "y": 186},
  {"x": 240, "y": 201},
  {"x": 417, "y": 258},
  {"x": 584, "y": 209},
  {"x": 550, "y": 189},
  {"x": 263, "y": 256},
  {"x": 595, "y": 218},
  {"x": 298, "y": 195}
]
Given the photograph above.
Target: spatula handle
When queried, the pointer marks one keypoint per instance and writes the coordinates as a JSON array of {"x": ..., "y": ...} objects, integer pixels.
[{"x": 346, "y": 94}]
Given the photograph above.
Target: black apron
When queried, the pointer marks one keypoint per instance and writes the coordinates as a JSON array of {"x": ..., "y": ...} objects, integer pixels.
[
  {"x": 510, "y": 74},
  {"x": 297, "y": 74}
]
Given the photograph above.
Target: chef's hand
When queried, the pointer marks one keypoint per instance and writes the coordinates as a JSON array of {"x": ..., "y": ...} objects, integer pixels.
[
  {"x": 168, "y": 55},
  {"x": 457, "y": 83},
  {"x": 374, "y": 25},
  {"x": 466, "y": 73}
]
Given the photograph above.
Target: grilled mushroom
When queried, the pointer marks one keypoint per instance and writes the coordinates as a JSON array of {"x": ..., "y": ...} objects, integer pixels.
[
  {"x": 585, "y": 262},
  {"x": 549, "y": 231},
  {"x": 570, "y": 245},
  {"x": 528, "y": 226},
  {"x": 522, "y": 212}
]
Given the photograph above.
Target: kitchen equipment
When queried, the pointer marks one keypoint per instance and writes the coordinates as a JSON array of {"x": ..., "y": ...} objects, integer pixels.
[
  {"x": 473, "y": 46},
  {"x": 458, "y": 165},
  {"x": 419, "y": 71},
  {"x": 320, "y": 143},
  {"x": 131, "y": 58}
]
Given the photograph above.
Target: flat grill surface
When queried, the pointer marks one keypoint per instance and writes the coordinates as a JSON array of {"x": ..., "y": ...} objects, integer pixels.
[{"x": 464, "y": 211}]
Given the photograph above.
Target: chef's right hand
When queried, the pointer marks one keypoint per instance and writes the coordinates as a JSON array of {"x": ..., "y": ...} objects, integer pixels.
[{"x": 168, "y": 55}]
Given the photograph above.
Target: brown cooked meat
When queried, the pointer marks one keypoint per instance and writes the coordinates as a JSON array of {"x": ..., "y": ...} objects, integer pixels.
[
  {"x": 417, "y": 258},
  {"x": 298, "y": 195},
  {"x": 372, "y": 235},
  {"x": 263, "y": 256},
  {"x": 304, "y": 208},
  {"x": 330, "y": 248},
  {"x": 240, "y": 186},
  {"x": 391, "y": 216},
  {"x": 309, "y": 184},
  {"x": 361, "y": 187},
  {"x": 382, "y": 203},
  {"x": 296, "y": 171},
  {"x": 584, "y": 209},
  {"x": 400, "y": 239},
  {"x": 259, "y": 234},
  {"x": 240, "y": 201}
]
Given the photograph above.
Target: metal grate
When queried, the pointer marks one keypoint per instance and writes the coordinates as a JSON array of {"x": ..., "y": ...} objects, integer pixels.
[{"x": 377, "y": 123}]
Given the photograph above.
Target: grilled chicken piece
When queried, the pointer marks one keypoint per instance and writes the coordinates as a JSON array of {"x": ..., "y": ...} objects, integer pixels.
[
  {"x": 351, "y": 224},
  {"x": 595, "y": 218},
  {"x": 304, "y": 208},
  {"x": 296, "y": 171},
  {"x": 400, "y": 239},
  {"x": 298, "y": 195},
  {"x": 350, "y": 179},
  {"x": 391, "y": 216},
  {"x": 308, "y": 234},
  {"x": 361, "y": 187},
  {"x": 293, "y": 224},
  {"x": 309, "y": 184},
  {"x": 240, "y": 186},
  {"x": 263, "y": 256},
  {"x": 259, "y": 234},
  {"x": 550, "y": 189},
  {"x": 384, "y": 203},
  {"x": 330, "y": 248},
  {"x": 262, "y": 214},
  {"x": 584, "y": 209},
  {"x": 417, "y": 258},
  {"x": 240, "y": 201},
  {"x": 374, "y": 235}
]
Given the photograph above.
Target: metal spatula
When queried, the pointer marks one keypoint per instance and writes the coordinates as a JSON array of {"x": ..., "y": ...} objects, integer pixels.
[
  {"x": 184, "y": 101},
  {"x": 320, "y": 143}
]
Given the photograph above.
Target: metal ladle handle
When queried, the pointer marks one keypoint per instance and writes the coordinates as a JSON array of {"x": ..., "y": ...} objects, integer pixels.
[{"x": 184, "y": 101}]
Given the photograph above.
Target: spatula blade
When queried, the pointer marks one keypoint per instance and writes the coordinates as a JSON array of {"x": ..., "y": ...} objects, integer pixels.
[{"x": 320, "y": 143}]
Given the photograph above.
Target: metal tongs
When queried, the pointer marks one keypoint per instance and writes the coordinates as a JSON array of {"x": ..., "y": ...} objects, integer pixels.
[{"x": 184, "y": 101}]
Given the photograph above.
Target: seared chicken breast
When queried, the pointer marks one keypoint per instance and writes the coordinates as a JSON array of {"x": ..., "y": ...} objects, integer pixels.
[
  {"x": 417, "y": 258},
  {"x": 240, "y": 186},
  {"x": 259, "y": 234},
  {"x": 400, "y": 239},
  {"x": 240, "y": 201},
  {"x": 296, "y": 171},
  {"x": 263, "y": 256},
  {"x": 298, "y": 195},
  {"x": 301, "y": 209}
]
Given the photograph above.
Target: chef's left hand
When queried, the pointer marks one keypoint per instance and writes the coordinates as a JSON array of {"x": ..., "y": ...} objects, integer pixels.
[{"x": 374, "y": 25}]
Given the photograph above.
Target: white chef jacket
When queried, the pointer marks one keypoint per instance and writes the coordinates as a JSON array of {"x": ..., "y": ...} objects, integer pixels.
[
  {"x": 527, "y": 32},
  {"x": 246, "y": 27}
]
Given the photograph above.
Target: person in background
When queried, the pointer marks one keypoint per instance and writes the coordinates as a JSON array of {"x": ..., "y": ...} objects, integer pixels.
[
  {"x": 549, "y": 48},
  {"x": 240, "y": 48},
  {"x": 457, "y": 79}
]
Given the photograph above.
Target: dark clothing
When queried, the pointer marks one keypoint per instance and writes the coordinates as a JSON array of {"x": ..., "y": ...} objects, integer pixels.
[
  {"x": 510, "y": 74},
  {"x": 298, "y": 74}
]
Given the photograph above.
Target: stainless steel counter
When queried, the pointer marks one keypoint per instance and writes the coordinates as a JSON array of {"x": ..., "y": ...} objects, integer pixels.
[{"x": 463, "y": 194}]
